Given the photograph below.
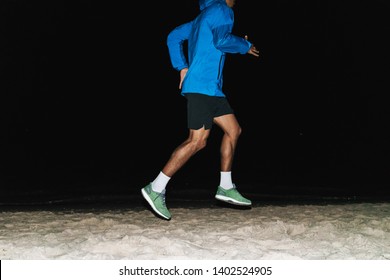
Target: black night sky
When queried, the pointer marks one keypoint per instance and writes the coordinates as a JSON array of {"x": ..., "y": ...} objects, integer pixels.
[{"x": 90, "y": 105}]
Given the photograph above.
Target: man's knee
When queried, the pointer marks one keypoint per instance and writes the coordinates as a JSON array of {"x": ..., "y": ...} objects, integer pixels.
[
  {"x": 234, "y": 134},
  {"x": 239, "y": 131},
  {"x": 199, "y": 144}
]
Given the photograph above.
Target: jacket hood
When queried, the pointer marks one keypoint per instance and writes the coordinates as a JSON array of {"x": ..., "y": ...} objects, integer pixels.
[{"x": 205, "y": 3}]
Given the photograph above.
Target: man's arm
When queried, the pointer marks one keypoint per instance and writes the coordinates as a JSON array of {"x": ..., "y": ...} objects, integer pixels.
[
  {"x": 252, "y": 51},
  {"x": 175, "y": 41},
  {"x": 183, "y": 73}
]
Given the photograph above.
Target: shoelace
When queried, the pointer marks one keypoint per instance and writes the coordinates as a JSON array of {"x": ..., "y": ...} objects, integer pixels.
[
  {"x": 163, "y": 200},
  {"x": 162, "y": 195}
]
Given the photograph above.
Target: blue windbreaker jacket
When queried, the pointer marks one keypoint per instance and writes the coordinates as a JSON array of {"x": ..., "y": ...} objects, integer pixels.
[{"x": 209, "y": 39}]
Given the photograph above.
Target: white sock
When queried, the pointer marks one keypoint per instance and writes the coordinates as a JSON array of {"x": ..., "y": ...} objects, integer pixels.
[
  {"x": 226, "y": 180},
  {"x": 161, "y": 181}
]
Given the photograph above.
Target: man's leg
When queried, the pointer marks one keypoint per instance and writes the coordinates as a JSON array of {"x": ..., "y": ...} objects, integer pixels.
[
  {"x": 154, "y": 193},
  {"x": 227, "y": 191},
  {"x": 231, "y": 132},
  {"x": 196, "y": 141}
]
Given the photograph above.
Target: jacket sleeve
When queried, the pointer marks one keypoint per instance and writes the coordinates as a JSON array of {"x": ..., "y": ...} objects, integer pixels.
[
  {"x": 222, "y": 19},
  {"x": 229, "y": 43},
  {"x": 175, "y": 41}
]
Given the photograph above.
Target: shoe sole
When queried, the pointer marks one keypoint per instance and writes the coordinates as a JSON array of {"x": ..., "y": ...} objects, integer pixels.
[
  {"x": 231, "y": 201},
  {"x": 147, "y": 198}
]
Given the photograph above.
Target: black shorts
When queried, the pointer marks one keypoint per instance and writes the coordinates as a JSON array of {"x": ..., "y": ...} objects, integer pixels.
[{"x": 202, "y": 109}]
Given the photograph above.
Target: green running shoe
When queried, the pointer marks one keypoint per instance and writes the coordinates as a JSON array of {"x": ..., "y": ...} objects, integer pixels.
[
  {"x": 232, "y": 196},
  {"x": 156, "y": 201}
]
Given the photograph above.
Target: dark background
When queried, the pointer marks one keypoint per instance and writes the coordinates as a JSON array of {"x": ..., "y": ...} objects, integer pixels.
[{"x": 90, "y": 105}]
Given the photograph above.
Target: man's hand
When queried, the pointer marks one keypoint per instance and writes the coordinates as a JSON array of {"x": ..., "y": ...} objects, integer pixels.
[
  {"x": 183, "y": 73},
  {"x": 252, "y": 51}
]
